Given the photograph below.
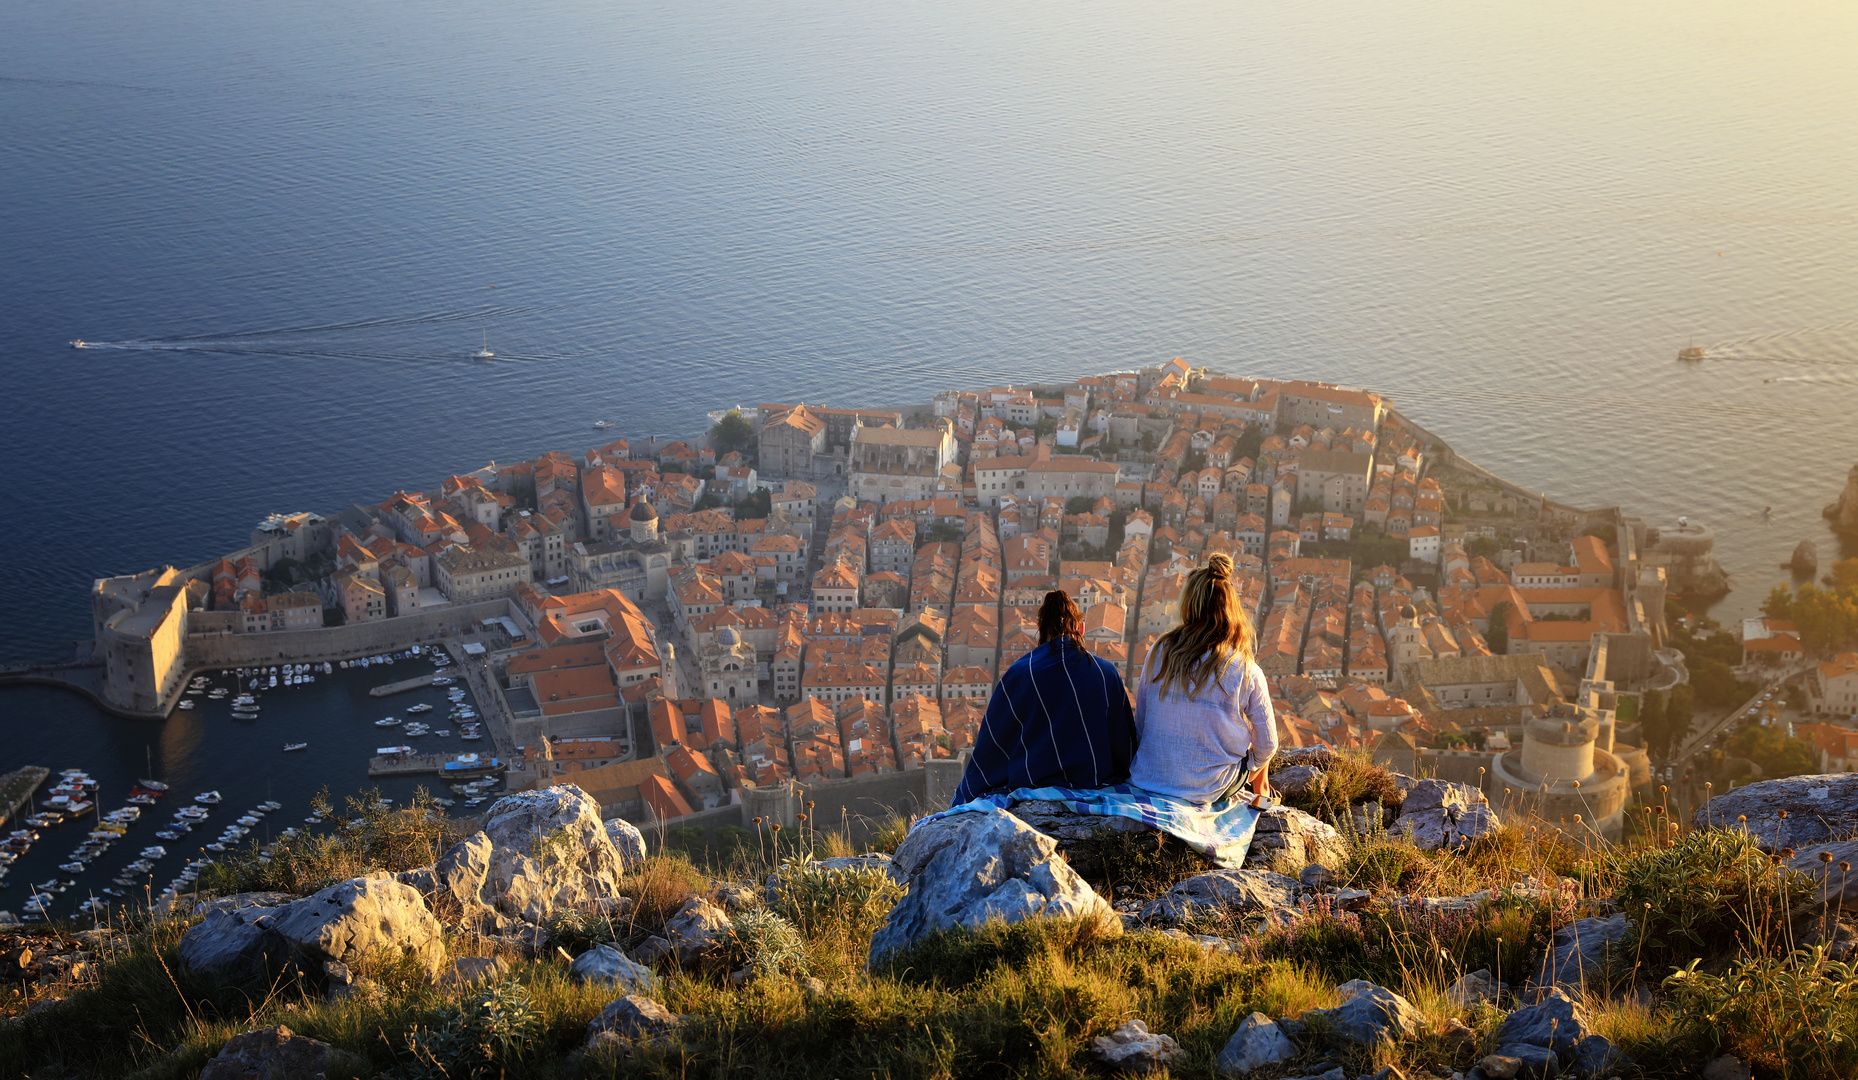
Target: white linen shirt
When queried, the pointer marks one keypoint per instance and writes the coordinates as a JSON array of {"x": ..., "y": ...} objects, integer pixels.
[{"x": 1195, "y": 747}]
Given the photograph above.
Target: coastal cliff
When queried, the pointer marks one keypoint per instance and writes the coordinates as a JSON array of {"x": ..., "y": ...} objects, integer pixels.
[{"x": 1844, "y": 513}]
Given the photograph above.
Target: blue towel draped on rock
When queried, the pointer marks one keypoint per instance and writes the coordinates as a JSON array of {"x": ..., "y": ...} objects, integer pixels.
[{"x": 1222, "y": 830}]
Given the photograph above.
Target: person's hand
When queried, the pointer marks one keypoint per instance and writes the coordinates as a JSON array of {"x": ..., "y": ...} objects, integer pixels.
[{"x": 1261, "y": 784}]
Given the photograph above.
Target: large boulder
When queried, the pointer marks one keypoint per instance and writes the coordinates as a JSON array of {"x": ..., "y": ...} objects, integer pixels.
[
  {"x": 1224, "y": 893},
  {"x": 633, "y": 1017},
  {"x": 539, "y": 852},
  {"x": 1819, "y": 809},
  {"x": 1578, "y": 952},
  {"x": 1368, "y": 1014},
  {"x": 968, "y": 868},
  {"x": 628, "y": 841},
  {"x": 1134, "y": 1049},
  {"x": 233, "y": 946},
  {"x": 1440, "y": 814},
  {"x": 1291, "y": 833},
  {"x": 1837, "y": 888},
  {"x": 360, "y": 920},
  {"x": 275, "y": 1053}
]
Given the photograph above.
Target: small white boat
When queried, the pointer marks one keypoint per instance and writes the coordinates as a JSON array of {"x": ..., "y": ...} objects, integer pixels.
[
  {"x": 186, "y": 706},
  {"x": 289, "y": 746},
  {"x": 601, "y": 425},
  {"x": 387, "y": 721},
  {"x": 484, "y": 353},
  {"x": 207, "y": 798}
]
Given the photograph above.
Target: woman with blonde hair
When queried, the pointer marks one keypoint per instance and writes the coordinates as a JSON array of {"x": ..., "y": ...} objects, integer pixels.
[{"x": 1202, "y": 711}]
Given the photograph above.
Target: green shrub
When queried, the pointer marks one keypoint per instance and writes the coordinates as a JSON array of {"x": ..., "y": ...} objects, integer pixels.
[
  {"x": 1710, "y": 893},
  {"x": 768, "y": 943},
  {"x": 1788, "y": 1016},
  {"x": 577, "y": 931},
  {"x": 478, "y": 1040},
  {"x": 1347, "y": 780},
  {"x": 1381, "y": 862},
  {"x": 846, "y": 903},
  {"x": 370, "y": 836}
]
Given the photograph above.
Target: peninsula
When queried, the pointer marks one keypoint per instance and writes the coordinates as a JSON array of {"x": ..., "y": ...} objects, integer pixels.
[{"x": 818, "y": 593}]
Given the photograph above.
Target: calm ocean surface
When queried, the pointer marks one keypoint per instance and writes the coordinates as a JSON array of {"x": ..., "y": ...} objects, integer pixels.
[{"x": 291, "y": 223}]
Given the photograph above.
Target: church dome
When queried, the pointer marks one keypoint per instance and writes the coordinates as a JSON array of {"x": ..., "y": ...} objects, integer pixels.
[
  {"x": 642, "y": 511},
  {"x": 1407, "y": 611},
  {"x": 729, "y": 638}
]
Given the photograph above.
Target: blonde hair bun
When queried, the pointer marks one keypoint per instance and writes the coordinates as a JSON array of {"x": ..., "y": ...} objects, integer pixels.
[{"x": 1219, "y": 566}]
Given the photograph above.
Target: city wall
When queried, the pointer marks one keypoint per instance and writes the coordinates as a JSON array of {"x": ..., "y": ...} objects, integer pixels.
[{"x": 335, "y": 642}]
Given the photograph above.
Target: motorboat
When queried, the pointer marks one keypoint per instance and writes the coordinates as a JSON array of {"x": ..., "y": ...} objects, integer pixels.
[
  {"x": 142, "y": 799},
  {"x": 154, "y": 851},
  {"x": 422, "y": 707},
  {"x": 72, "y": 867},
  {"x": 1691, "y": 353},
  {"x": 289, "y": 746},
  {"x": 248, "y": 820},
  {"x": 601, "y": 425},
  {"x": 387, "y": 721},
  {"x": 168, "y": 834},
  {"x": 207, "y": 798},
  {"x": 185, "y": 706},
  {"x": 192, "y": 813},
  {"x": 270, "y": 805}
]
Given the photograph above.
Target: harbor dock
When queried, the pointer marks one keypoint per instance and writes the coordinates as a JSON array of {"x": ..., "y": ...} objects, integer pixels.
[
  {"x": 17, "y": 787},
  {"x": 402, "y": 686},
  {"x": 406, "y": 764}
]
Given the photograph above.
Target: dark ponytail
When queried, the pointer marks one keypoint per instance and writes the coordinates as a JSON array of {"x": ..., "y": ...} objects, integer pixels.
[{"x": 1060, "y": 618}]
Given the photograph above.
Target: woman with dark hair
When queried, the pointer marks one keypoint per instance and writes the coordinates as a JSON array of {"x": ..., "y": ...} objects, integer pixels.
[
  {"x": 1202, "y": 709},
  {"x": 1058, "y": 717}
]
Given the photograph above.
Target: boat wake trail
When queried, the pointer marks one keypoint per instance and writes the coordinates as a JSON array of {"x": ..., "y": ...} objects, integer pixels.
[{"x": 356, "y": 340}]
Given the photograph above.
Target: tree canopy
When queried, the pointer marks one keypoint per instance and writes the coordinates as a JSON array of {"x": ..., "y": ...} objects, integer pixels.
[
  {"x": 1826, "y": 616},
  {"x": 732, "y": 432}
]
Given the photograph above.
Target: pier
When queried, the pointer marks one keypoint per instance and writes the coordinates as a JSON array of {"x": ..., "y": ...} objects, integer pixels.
[
  {"x": 402, "y": 686},
  {"x": 406, "y": 764},
  {"x": 17, "y": 786}
]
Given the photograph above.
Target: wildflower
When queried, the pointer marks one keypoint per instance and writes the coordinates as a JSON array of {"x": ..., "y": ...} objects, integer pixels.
[
  {"x": 1845, "y": 867},
  {"x": 799, "y": 817},
  {"x": 1783, "y": 815},
  {"x": 1787, "y": 853},
  {"x": 1825, "y": 856},
  {"x": 757, "y": 822}
]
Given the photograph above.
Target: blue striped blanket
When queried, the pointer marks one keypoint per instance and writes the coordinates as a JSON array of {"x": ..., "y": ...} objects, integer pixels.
[{"x": 1222, "y": 831}]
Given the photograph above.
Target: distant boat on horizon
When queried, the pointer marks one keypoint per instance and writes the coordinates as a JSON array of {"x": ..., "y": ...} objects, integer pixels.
[{"x": 484, "y": 353}]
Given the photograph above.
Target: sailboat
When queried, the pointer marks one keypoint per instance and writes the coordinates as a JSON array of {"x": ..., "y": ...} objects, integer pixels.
[{"x": 484, "y": 353}]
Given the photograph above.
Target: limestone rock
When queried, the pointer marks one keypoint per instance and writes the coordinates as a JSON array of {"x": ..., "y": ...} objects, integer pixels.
[
  {"x": 1224, "y": 892},
  {"x": 699, "y": 931},
  {"x": 1473, "y": 988},
  {"x": 243, "y": 900},
  {"x": 628, "y": 841},
  {"x": 1805, "y": 559},
  {"x": 1296, "y": 835},
  {"x": 1337, "y": 1073},
  {"x": 472, "y": 970},
  {"x": 1369, "y": 1013},
  {"x": 1519, "y": 1061},
  {"x": 652, "y": 950},
  {"x": 539, "y": 852},
  {"x": 1258, "y": 1042},
  {"x": 1837, "y": 888},
  {"x": 633, "y": 1017},
  {"x": 1296, "y": 780},
  {"x": 967, "y": 868},
  {"x": 1556, "y": 1022},
  {"x": 607, "y": 964},
  {"x": 233, "y": 947},
  {"x": 1440, "y": 814},
  {"x": 1844, "y": 513},
  {"x": 735, "y": 897},
  {"x": 1319, "y": 756},
  {"x": 1578, "y": 952},
  {"x": 1596, "y": 1058},
  {"x": 1316, "y": 876},
  {"x": 362, "y": 918},
  {"x": 1819, "y": 809},
  {"x": 274, "y": 1054},
  {"x": 1133, "y": 1048}
]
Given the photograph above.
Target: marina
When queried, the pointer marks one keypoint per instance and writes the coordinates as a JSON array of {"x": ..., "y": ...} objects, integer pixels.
[{"x": 155, "y": 782}]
